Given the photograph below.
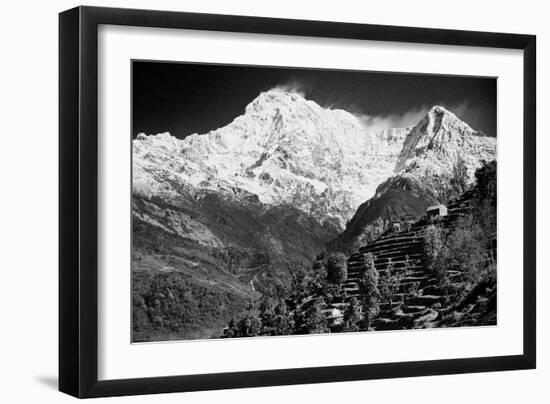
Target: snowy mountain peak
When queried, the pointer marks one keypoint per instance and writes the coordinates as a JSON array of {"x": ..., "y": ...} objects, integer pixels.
[
  {"x": 279, "y": 103},
  {"x": 440, "y": 119},
  {"x": 286, "y": 149},
  {"x": 438, "y": 109},
  {"x": 434, "y": 145},
  {"x": 440, "y": 114},
  {"x": 288, "y": 107},
  {"x": 275, "y": 98}
]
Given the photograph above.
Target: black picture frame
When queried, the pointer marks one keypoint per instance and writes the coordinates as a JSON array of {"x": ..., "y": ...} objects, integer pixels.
[{"x": 78, "y": 201}]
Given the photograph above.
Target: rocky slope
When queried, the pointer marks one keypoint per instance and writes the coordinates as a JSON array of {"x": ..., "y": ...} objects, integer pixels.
[{"x": 395, "y": 198}]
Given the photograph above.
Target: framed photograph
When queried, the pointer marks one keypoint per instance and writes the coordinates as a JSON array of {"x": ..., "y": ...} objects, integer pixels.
[{"x": 252, "y": 202}]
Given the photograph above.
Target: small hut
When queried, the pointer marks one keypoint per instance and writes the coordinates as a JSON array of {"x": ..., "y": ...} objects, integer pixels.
[
  {"x": 396, "y": 227},
  {"x": 334, "y": 317},
  {"x": 408, "y": 220},
  {"x": 436, "y": 211}
]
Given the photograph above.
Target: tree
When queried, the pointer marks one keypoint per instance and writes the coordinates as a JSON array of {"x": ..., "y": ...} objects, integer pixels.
[
  {"x": 352, "y": 315},
  {"x": 283, "y": 321},
  {"x": 337, "y": 268},
  {"x": 232, "y": 330},
  {"x": 315, "y": 320},
  {"x": 319, "y": 264},
  {"x": 370, "y": 293},
  {"x": 459, "y": 177},
  {"x": 275, "y": 317},
  {"x": 436, "y": 254},
  {"x": 464, "y": 251},
  {"x": 298, "y": 286},
  {"x": 485, "y": 202},
  {"x": 388, "y": 284},
  {"x": 486, "y": 182},
  {"x": 248, "y": 326},
  {"x": 433, "y": 243},
  {"x": 454, "y": 185},
  {"x": 267, "y": 316}
]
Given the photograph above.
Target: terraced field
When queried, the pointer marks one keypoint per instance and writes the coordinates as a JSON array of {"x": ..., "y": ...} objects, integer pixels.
[{"x": 419, "y": 301}]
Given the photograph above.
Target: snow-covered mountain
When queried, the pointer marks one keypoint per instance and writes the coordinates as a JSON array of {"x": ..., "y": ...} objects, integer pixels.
[
  {"x": 284, "y": 149},
  {"x": 421, "y": 177},
  {"x": 435, "y": 144},
  {"x": 288, "y": 150}
]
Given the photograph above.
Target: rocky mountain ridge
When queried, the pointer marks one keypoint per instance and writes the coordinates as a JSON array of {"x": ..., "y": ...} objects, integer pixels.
[
  {"x": 431, "y": 150},
  {"x": 284, "y": 149},
  {"x": 288, "y": 150}
]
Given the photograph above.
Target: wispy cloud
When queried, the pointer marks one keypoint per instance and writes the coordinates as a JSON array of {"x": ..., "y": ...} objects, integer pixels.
[
  {"x": 378, "y": 122},
  {"x": 293, "y": 86}
]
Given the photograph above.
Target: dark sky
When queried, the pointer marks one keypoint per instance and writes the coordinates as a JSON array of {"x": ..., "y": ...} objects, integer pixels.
[{"x": 184, "y": 98}]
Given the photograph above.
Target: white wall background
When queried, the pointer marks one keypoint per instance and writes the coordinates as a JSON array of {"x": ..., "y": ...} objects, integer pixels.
[{"x": 28, "y": 203}]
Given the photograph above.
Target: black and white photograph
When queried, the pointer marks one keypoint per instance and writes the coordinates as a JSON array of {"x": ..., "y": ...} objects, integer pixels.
[{"x": 274, "y": 201}]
